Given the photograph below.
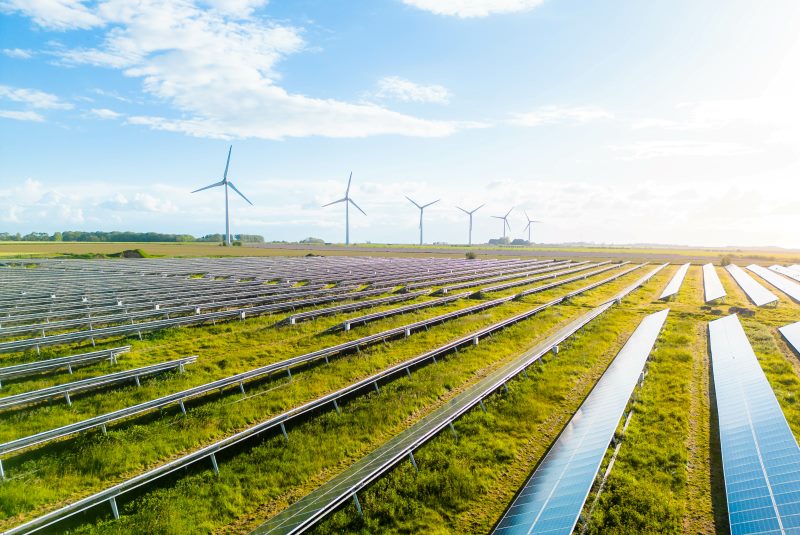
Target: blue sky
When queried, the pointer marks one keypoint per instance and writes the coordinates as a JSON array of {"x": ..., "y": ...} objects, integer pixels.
[{"x": 612, "y": 122}]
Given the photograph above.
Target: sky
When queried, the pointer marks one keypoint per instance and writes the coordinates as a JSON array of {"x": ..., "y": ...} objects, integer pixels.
[{"x": 666, "y": 121}]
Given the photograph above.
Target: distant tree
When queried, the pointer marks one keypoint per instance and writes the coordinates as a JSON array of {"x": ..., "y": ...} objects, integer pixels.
[
  {"x": 725, "y": 260},
  {"x": 250, "y": 238},
  {"x": 312, "y": 240},
  {"x": 520, "y": 241},
  {"x": 505, "y": 240},
  {"x": 57, "y": 237},
  {"x": 471, "y": 255}
]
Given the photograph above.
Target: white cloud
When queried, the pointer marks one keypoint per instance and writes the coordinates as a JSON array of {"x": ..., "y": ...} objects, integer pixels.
[
  {"x": 104, "y": 113},
  {"x": 558, "y": 114},
  {"x": 21, "y": 115},
  {"x": 217, "y": 68},
  {"x": 394, "y": 87},
  {"x": 656, "y": 149},
  {"x": 54, "y": 14},
  {"x": 33, "y": 98},
  {"x": 140, "y": 202},
  {"x": 17, "y": 53},
  {"x": 473, "y": 8}
]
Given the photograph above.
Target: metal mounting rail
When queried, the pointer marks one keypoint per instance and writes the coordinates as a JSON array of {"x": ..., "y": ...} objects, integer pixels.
[
  {"x": 312, "y": 508},
  {"x": 68, "y": 362},
  {"x": 109, "y": 495},
  {"x": 67, "y": 389}
]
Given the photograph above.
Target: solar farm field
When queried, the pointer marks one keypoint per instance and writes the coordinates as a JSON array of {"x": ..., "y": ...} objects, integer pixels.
[{"x": 365, "y": 394}]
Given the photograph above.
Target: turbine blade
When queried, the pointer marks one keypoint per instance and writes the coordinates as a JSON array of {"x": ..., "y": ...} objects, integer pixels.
[
  {"x": 497, "y": 217},
  {"x": 463, "y": 210},
  {"x": 240, "y": 193},
  {"x": 357, "y": 206},
  {"x": 526, "y": 215},
  {"x": 349, "y": 180},
  {"x": 507, "y": 213},
  {"x": 343, "y": 199},
  {"x": 509, "y": 226},
  {"x": 227, "y": 163},
  {"x": 430, "y": 203},
  {"x": 414, "y": 203},
  {"x": 527, "y": 226},
  {"x": 476, "y": 209},
  {"x": 214, "y": 185}
]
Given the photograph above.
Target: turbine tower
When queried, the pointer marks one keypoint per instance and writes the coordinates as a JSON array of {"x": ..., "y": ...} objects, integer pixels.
[
  {"x": 530, "y": 225},
  {"x": 226, "y": 183},
  {"x": 347, "y": 202},
  {"x": 421, "y": 209},
  {"x": 505, "y": 220},
  {"x": 470, "y": 219}
]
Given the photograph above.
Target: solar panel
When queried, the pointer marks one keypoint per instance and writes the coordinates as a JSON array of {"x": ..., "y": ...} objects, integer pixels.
[
  {"x": 755, "y": 291},
  {"x": 792, "y": 334},
  {"x": 675, "y": 284},
  {"x": 552, "y": 499},
  {"x": 712, "y": 286},
  {"x": 795, "y": 268},
  {"x": 760, "y": 457},
  {"x": 790, "y": 288},
  {"x": 792, "y": 274}
]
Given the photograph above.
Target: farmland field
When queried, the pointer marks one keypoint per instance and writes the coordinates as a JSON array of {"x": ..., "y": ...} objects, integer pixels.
[{"x": 232, "y": 313}]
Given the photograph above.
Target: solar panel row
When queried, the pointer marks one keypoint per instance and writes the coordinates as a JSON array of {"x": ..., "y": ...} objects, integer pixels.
[
  {"x": 759, "y": 295},
  {"x": 760, "y": 457},
  {"x": 792, "y": 274},
  {"x": 792, "y": 334},
  {"x": 712, "y": 286},
  {"x": 66, "y": 390},
  {"x": 675, "y": 283},
  {"x": 790, "y": 288},
  {"x": 69, "y": 362},
  {"x": 551, "y": 501}
]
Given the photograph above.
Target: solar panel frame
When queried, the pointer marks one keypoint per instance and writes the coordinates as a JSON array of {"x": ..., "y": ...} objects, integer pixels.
[
  {"x": 760, "y": 456},
  {"x": 792, "y": 274}
]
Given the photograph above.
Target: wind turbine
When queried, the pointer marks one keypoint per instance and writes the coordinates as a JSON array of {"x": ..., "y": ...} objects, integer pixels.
[
  {"x": 530, "y": 225},
  {"x": 470, "y": 219},
  {"x": 225, "y": 182},
  {"x": 421, "y": 209},
  {"x": 505, "y": 220},
  {"x": 347, "y": 202}
]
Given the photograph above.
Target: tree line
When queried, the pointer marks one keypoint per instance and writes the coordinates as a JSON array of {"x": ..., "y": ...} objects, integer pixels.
[{"x": 116, "y": 236}]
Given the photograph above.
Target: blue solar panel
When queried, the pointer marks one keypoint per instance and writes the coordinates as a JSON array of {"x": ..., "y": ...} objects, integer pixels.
[
  {"x": 760, "y": 457},
  {"x": 552, "y": 499}
]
